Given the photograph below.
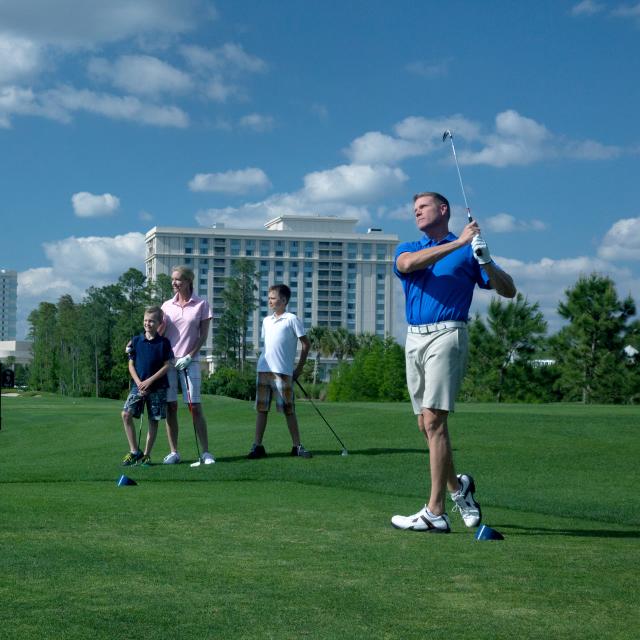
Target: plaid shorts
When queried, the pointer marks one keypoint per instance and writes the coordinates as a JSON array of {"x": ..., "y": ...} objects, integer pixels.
[
  {"x": 268, "y": 384},
  {"x": 156, "y": 403}
]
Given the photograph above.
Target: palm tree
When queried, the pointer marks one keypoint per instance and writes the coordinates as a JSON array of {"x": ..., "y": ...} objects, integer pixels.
[{"x": 317, "y": 337}]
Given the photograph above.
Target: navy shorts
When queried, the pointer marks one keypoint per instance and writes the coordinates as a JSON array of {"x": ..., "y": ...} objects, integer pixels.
[{"x": 156, "y": 403}]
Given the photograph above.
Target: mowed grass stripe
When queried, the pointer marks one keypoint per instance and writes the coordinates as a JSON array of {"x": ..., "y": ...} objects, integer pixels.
[
  {"x": 285, "y": 560},
  {"x": 548, "y": 459}
]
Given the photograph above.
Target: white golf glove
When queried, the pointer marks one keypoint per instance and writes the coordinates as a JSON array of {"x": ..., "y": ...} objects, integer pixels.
[
  {"x": 480, "y": 250},
  {"x": 183, "y": 363}
]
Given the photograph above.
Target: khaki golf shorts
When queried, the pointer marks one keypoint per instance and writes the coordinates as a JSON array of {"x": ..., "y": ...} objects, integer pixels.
[
  {"x": 278, "y": 385},
  {"x": 436, "y": 364}
]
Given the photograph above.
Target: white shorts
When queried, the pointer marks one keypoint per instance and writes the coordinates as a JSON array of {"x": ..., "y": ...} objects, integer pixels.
[
  {"x": 436, "y": 363},
  {"x": 193, "y": 375}
]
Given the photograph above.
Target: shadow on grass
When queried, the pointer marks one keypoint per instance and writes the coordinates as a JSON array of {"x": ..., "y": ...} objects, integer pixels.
[
  {"x": 318, "y": 453},
  {"x": 517, "y": 530}
]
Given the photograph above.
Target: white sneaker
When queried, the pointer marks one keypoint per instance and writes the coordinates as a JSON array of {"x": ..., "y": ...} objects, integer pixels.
[
  {"x": 172, "y": 458},
  {"x": 207, "y": 458},
  {"x": 424, "y": 520},
  {"x": 465, "y": 502}
]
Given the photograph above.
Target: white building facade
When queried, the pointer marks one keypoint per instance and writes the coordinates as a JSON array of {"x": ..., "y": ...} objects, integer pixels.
[
  {"x": 338, "y": 278},
  {"x": 8, "y": 304}
]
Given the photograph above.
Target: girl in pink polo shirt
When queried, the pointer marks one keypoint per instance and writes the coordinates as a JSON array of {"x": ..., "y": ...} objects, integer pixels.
[{"x": 186, "y": 325}]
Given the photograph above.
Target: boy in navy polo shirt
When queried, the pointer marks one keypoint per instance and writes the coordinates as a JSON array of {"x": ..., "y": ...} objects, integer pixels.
[{"x": 150, "y": 357}]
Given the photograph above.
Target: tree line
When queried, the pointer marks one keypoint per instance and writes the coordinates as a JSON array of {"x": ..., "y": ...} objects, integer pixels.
[{"x": 78, "y": 348}]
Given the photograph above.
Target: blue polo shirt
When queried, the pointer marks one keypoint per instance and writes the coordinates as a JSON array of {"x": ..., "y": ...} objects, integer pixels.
[
  {"x": 149, "y": 356},
  {"x": 444, "y": 290}
]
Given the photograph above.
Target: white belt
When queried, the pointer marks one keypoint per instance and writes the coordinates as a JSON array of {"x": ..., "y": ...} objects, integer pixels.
[{"x": 436, "y": 326}]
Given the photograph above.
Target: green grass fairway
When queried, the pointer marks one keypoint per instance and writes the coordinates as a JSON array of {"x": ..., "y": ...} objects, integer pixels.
[{"x": 289, "y": 548}]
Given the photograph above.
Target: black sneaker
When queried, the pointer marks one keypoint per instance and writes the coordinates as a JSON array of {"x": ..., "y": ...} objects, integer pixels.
[
  {"x": 131, "y": 458},
  {"x": 257, "y": 451},
  {"x": 300, "y": 452}
]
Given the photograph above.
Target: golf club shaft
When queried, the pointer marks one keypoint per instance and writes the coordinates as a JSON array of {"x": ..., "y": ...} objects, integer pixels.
[
  {"x": 195, "y": 431},
  {"x": 449, "y": 134},
  {"x": 320, "y": 414},
  {"x": 464, "y": 195},
  {"x": 140, "y": 429}
]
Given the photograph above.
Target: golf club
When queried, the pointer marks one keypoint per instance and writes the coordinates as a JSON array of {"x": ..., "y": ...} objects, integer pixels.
[
  {"x": 449, "y": 134},
  {"x": 198, "y": 462},
  {"x": 140, "y": 429},
  {"x": 344, "y": 451}
]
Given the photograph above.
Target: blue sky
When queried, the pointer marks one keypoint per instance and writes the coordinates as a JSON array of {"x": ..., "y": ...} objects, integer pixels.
[{"x": 119, "y": 116}]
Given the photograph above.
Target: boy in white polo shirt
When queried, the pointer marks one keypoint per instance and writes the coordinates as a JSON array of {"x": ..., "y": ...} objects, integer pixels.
[{"x": 276, "y": 374}]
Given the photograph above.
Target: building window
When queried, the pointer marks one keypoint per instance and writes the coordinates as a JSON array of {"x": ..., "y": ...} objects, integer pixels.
[
  {"x": 188, "y": 245},
  {"x": 265, "y": 247},
  {"x": 235, "y": 247},
  {"x": 293, "y": 248},
  {"x": 366, "y": 250}
]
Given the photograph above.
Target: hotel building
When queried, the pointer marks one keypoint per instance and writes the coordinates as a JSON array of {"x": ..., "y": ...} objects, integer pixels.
[{"x": 338, "y": 278}]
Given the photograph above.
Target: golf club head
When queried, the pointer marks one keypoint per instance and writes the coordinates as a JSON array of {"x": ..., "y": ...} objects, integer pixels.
[
  {"x": 344, "y": 453},
  {"x": 197, "y": 463},
  {"x": 447, "y": 134}
]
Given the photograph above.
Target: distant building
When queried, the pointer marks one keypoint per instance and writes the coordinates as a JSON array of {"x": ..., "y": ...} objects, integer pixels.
[
  {"x": 18, "y": 349},
  {"x": 8, "y": 304},
  {"x": 338, "y": 278}
]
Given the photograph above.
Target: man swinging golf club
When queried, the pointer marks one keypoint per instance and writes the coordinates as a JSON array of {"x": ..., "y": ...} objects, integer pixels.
[{"x": 438, "y": 273}]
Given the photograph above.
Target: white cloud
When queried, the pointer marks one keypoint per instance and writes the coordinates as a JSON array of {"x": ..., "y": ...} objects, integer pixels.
[
  {"x": 88, "y": 205},
  {"x": 429, "y": 69},
  {"x": 622, "y": 241},
  {"x": 93, "y": 257},
  {"x": 60, "y": 104},
  {"x": 256, "y": 214},
  {"x": 506, "y": 223},
  {"x": 44, "y": 282},
  {"x": 238, "y": 58},
  {"x": 428, "y": 131},
  {"x": 19, "y": 58},
  {"x": 353, "y": 183},
  {"x": 235, "y": 182},
  {"x": 68, "y": 100},
  {"x": 76, "y": 265},
  {"x": 88, "y": 23},
  {"x": 250, "y": 215},
  {"x": 320, "y": 111},
  {"x": 587, "y": 8},
  {"x": 591, "y": 150},
  {"x": 257, "y": 122},
  {"x": 547, "y": 280},
  {"x": 627, "y": 11},
  {"x": 219, "y": 90},
  {"x": 519, "y": 140},
  {"x": 377, "y": 148},
  {"x": 230, "y": 57},
  {"x": 140, "y": 74}
]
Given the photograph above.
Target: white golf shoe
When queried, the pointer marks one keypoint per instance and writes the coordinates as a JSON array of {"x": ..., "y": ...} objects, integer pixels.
[
  {"x": 465, "y": 502},
  {"x": 207, "y": 458},
  {"x": 424, "y": 520},
  {"x": 172, "y": 458}
]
